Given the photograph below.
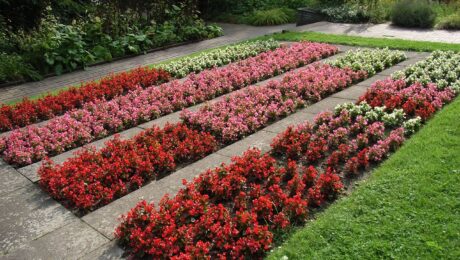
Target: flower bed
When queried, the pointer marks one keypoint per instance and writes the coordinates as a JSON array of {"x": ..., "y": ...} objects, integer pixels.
[
  {"x": 215, "y": 58},
  {"x": 233, "y": 211},
  {"x": 100, "y": 119},
  {"x": 248, "y": 110},
  {"x": 28, "y": 112},
  {"x": 370, "y": 60},
  {"x": 94, "y": 178},
  {"x": 254, "y": 198}
]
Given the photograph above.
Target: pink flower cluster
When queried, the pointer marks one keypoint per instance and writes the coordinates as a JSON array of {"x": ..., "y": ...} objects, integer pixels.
[
  {"x": 98, "y": 119},
  {"x": 248, "y": 110}
]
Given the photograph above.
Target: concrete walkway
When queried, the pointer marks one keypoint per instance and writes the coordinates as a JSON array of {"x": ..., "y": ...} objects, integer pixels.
[
  {"x": 232, "y": 33},
  {"x": 383, "y": 31}
]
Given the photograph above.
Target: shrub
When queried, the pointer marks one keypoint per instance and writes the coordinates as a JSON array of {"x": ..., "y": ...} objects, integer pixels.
[
  {"x": 273, "y": 16},
  {"x": 451, "y": 22},
  {"x": 13, "y": 68},
  {"x": 346, "y": 14},
  {"x": 411, "y": 13}
]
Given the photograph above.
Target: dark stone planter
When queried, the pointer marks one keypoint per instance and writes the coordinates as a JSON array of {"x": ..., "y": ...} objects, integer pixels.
[{"x": 307, "y": 16}]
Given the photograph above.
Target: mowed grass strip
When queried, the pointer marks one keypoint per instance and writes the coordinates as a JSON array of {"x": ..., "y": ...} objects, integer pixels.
[
  {"x": 409, "y": 208},
  {"x": 399, "y": 44}
]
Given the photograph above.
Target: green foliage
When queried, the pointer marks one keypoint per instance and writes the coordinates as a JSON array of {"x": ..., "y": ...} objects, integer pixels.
[
  {"x": 13, "y": 68},
  {"x": 273, "y": 16},
  {"x": 451, "y": 22},
  {"x": 100, "y": 32},
  {"x": 346, "y": 14},
  {"x": 413, "y": 13}
]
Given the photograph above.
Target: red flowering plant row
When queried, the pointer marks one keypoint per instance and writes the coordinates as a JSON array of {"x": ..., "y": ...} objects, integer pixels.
[
  {"x": 28, "y": 111},
  {"x": 248, "y": 110},
  {"x": 347, "y": 141},
  {"x": 99, "y": 119},
  {"x": 230, "y": 212},
  {"x": 415, "y": 99},
  {"x": 93, "y": 178}
]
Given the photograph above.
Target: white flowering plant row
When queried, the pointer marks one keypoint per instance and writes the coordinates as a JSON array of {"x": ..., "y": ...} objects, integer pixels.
[
  {"x": 370, "y": 60},
  {"x": 218, "y": 57}
]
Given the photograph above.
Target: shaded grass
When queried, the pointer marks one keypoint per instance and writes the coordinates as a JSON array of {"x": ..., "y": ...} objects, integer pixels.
[
  {"x": 408, "y": 208},
  {"x": 408, "y": 45}
]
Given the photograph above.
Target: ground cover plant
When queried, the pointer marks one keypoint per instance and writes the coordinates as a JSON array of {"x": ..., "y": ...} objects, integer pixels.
[
  {"x": 28, "y": 111},
  {"x": 99, "y": 119},
  {"x": 258, "y": 196}
]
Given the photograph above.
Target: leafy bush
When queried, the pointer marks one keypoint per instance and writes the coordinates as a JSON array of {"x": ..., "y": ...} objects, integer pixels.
[
  {"x": 13, "y": 68},
  {"x": 451, "y": 22},
  {"x": 412, "y": 13},
  {"x": 346, "y": 14},
  {"x": 273, "y": 16}
]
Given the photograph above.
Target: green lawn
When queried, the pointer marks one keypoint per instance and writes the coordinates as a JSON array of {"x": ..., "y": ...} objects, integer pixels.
[
  {"x": 408, "y": 209},
  {"x": 366, "y": 41}
]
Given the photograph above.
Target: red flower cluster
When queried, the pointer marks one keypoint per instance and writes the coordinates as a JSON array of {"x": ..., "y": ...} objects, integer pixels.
[
  {"x": 28, "y": 112},
  {"x": 416, "y": 99},
  {"x": 339, "y": 143},
  {"x": 95, "y": 178},
  {"x": 228, "y": 212}
]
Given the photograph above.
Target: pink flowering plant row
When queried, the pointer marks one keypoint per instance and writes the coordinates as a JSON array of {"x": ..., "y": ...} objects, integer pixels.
[
  {"x": 248, "y": 110},
  {"x": 99, "y": 119}
]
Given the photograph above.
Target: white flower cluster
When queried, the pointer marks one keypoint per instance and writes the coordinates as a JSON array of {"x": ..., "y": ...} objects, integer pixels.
[
  {"x": 219, "y": 57},
  {"x": 442, "y": 68},
  {"x": 393, "y": 119},
  {"x": 370, "y": 60},
  {"x": 412, "y": 125}
]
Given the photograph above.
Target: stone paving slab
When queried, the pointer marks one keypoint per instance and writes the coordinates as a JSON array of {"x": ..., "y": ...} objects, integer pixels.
[
  {"x": 261, "y": 140},
  {"x": 10, "y": 179},
  {"x": 351, "y": 93},
  {"x": 107, "y": 251},
  {"x": 27, "y": 214},
  {"x": 59, "y": 243}
]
